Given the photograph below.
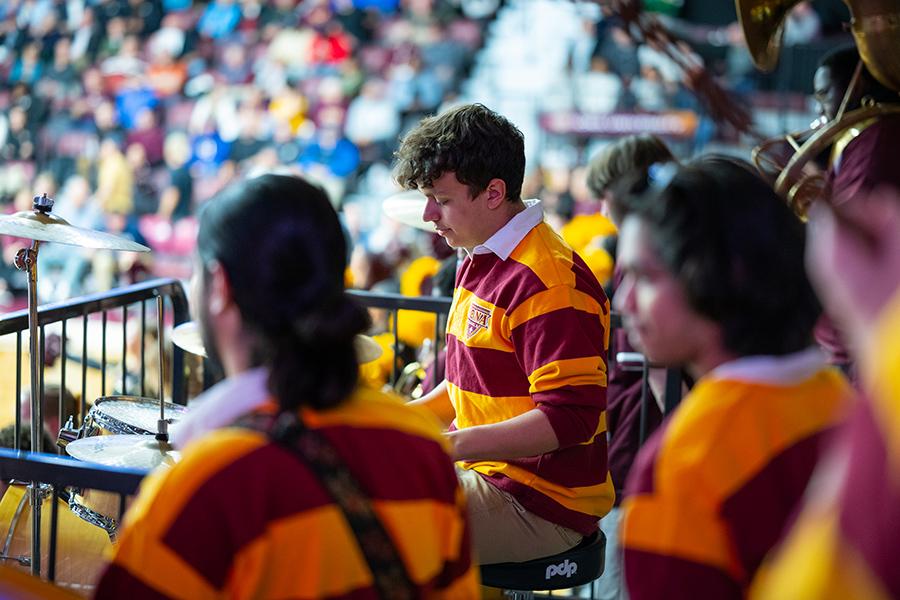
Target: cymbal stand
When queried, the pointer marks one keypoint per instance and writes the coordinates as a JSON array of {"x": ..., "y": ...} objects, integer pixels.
[
  {"x": 26, "y": 260},
  {"x": 162, "y": 426}
]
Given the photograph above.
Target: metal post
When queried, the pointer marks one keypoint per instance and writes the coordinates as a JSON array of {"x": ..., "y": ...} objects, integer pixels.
[{"x": 26, "y": 260}]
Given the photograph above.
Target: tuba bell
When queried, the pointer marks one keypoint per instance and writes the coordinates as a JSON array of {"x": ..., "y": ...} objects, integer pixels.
[{"x": 876, "y": 30}]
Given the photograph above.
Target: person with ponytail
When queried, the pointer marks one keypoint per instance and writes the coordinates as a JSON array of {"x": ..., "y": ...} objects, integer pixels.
[{"x": 289, "y": 468}]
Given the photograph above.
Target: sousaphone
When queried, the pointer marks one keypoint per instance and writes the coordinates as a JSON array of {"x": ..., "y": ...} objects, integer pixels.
[{"x": 876, "y": 29}]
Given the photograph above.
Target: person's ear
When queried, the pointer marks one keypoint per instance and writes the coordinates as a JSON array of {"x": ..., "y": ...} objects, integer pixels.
[
  {"x": 496, "y": 193},
  {"x": 219, "y": 292}
]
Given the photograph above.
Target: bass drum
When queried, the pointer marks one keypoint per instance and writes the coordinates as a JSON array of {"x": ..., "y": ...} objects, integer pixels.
[{"x": 80, "y": 546}]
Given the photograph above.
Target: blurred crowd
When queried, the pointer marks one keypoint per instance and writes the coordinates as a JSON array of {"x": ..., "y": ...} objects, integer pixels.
[{"x": 132, "y": 113}]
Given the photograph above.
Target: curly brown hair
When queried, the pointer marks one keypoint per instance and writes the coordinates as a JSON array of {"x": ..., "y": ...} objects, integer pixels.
[{"x": 471, "y": 141}]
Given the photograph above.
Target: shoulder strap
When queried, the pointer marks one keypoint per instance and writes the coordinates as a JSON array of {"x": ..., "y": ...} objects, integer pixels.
[{"x": 391, "y": 579}]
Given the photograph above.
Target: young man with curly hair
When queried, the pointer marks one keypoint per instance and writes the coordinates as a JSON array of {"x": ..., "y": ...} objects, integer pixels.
[{"x": 525, "y": 389}]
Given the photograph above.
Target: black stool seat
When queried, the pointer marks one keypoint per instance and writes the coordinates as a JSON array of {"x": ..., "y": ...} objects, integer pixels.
[{"x": 579, "y": 566}]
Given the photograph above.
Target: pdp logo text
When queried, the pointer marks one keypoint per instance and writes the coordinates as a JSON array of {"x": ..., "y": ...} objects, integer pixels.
[{"x": 566, "y": 568}]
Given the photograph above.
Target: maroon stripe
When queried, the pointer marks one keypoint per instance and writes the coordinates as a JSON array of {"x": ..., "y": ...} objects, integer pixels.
[
  {"x": 575, "y": 466},
  {"x": 235, "y": 506},
  {"x": 586, "y": 281},
  {"x": 758, "y": 512},
  {"x": 623, "y": 420},
  {"x": 654, "y": 576},
  {"x": 870, "y": 500},
  {"x": 559, "y": 335},
  {"x": 430, "y": 475},
  {"x": 116, "y": 582},
  {"x": 544, "y": 506},
  {"x": 640, "y": 480},
  {"x": 484, "y": 370},
  {"x": 502, "y": 283},
  {"x": 573, "y": 411}
]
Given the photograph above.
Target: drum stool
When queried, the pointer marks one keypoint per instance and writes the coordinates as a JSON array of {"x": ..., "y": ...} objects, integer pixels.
[{"x": 579, "y": 566}]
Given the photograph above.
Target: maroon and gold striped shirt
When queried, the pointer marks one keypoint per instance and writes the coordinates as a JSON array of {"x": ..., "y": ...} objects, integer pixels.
[
  {"x": 241, "y": 517},
  {"x": 714, "y": 487},
  {"x": 531, "y": 332},
  {"x": 847, "y": 540}
]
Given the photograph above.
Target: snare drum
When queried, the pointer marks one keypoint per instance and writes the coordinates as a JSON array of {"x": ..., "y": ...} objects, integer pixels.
[
  {"x": 80, "y": 547},
  {"x": 128, "y": 415},
  {"x": 113, "y": 415}
]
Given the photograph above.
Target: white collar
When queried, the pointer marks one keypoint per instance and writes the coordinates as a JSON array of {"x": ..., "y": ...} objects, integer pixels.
[
  {"x": 505, "y": 240},
  {"x": 776, "y": 370},
  {"x": 221, "y": 405}
]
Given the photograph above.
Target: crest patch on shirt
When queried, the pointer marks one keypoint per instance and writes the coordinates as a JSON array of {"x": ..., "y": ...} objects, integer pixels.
[{"x": 479, "y": 318}]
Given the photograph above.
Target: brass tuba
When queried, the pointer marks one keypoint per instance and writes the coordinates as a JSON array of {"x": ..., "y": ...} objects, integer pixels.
[{"x": 876, "y": 30}]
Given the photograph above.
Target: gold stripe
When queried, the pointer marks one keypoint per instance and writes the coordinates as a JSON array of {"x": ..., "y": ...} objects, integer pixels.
[
  {"x": 725, "y": 432},
  {"x": 816, "y": 564},
  {"x": 495, "y": 336},
  {"x": 479, "y": 409},
  {"x": 547, "y": 255},
  {"x": 883, "y": 377},
  {"x": 591, "y": 500},
  {"x": 376, "y": 410},
  {"x": 678, "y": 527},
  {"x": 329, "y": 562},
  {"x": 588, "y": 370},
  {"x": 557, "y": 298}
]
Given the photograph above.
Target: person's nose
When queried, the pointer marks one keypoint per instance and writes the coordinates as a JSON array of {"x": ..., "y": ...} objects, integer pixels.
[
  {"x": 623, "y": 299},
  {"x": 432, "y": 212}
]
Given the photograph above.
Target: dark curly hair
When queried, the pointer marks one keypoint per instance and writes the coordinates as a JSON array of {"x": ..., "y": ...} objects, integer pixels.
[
  {"x": 471, "y": 141},
  {"x": 282, "y": 247},
  {"x": 737, "y": 250}
]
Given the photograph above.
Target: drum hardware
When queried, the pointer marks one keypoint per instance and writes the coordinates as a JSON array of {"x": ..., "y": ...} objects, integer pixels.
[
  {"x": 38, "y": 225},
  {"x": 135, "y": 451},
  {"x": 162, "y": 426},
  {"x": 131, "y": 417},
  {"x": 187, "y": 336}
]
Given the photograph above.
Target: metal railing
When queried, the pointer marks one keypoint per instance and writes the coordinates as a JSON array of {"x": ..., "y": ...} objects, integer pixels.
[
  {"x": 128, "y": 301},
  {"x": 394, "y": 303}
]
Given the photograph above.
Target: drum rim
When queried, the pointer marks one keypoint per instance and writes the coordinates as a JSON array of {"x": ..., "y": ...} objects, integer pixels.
[{"x": 96, "y": 415}]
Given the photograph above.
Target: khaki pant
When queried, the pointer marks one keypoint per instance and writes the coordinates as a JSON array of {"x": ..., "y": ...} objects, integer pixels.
[{"x": 503, "y": 531}]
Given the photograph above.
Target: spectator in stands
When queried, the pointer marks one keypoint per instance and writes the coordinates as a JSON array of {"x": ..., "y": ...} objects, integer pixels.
[
  {"x": 75, "y": 205},
  {"x": 714, "y": 282},
  {"x": 115, "y": 179},
  {"x": 291, "y": 375},
  {"x": 219, "y": 19}
]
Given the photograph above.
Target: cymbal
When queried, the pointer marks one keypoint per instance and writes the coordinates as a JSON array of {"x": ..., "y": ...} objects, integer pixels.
[
  {"x": 132, "y": 451},
  {"x": 187, "y": 337},
  {"x": 407, "y": 208},
  {"x": 367, "y": 349},
  {"x": 42, "y": 227}
]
